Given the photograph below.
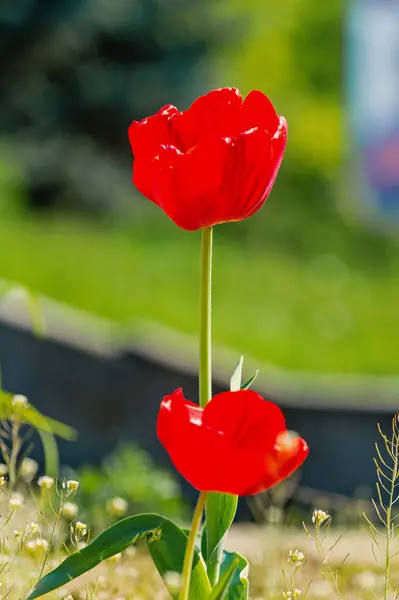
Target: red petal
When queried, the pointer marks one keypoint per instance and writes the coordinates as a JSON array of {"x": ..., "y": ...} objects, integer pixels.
[
  {"x": 278, "y": 465},
  {"x": 190, "y": 186},
  {"x": 195, "y": 451},
  {"x": 249, "y": 421},
  {"x": 153, "y": 173},
  {"x": 146, "y": 135},
  {"x": 258, "y": 111},
  {"x": 263, "y": 184},
  {"x": 248, "y": 175},
  {"x": 176, "y": 409},
  {"x": 215, "y": 114}
]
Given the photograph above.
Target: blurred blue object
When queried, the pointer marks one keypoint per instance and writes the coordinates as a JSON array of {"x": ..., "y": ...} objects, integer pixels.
[{"x": 373, "y": 86}]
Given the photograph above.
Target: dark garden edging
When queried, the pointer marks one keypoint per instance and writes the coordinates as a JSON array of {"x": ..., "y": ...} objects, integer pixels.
[{"x": 108, "y": 386}]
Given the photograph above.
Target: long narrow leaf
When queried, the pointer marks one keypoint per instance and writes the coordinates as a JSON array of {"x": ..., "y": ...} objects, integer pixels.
[
  {"x": 248, "y": 383},
  {"x": 235, "y": 381},
  {"x": 51, "y": 457},
  {"x": 31, "y": 416},
  {"x": 166, "y": 543},
  {"x": 238, "y": 587},
  {"x": 221, "y": 590},
  {"x": 220, "y": 513}
]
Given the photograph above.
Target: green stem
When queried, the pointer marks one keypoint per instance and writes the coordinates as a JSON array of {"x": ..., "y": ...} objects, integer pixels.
[
  {"x": 205, "y": 338},
  {"x": 190, "y": 548},
  {"x": 205, "y": 372}
]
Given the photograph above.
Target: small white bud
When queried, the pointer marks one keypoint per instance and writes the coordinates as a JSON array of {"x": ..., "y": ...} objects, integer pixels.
[
  {"x": 33, "y": 527},
  {"x": 42, "y": 544},
  {"x": 36, "y": 546},
  {"x": 80, "y": 529},
  {"x": 173, "y": 581},
  {"x": 319, "y": 517},
  {"x": 16, "y": 501},
  {"x": 19, "y": 402},
  {"x": 28, "y": 469},
  {"x": 70, "y": 486},
  {"x": 115, "y": 558},
  {"x": 46, "y": 483},
  {"x": 70, "y": 510},
  {"x": 117, "y": 507},
  {"x": 296, "y": 558}
]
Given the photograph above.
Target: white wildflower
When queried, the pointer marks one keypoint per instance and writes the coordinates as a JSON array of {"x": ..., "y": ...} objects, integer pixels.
[
  {"x": 28, "y": 469},
  {"x": 16, "y": 501},
  {"x": 70, "y": 486},
  {"x": 131, "y": 551},
  {"x": 3, "y": 482},
  {"x": 3, "y": 469},
  {"x": 33, "y": 527},
  {"x": 172, "y": 581},
  {"x": 19, "y": 402},
  {"x": 79, "y": 529},
  {"x": 36, "y": 546},
  {"x": 296, "y": 558},
  {"x": 70, "y": 510},
  {"x": 291, "y": 595},
  {"x": 117, "y": 507},
  {"x": 116, "y": 557},
  {"x": 319, "y": 517},
  {"x": 42, "y": 544},
  {"x": 31, "y": 547},
  {"x": 366, "y": 580},
  {"x": 46, "y": 483}
]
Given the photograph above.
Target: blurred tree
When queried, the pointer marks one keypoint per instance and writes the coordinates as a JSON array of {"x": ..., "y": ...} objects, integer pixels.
[
  {"x": 74, "y": 73},
  {"x": 293, "y": 51}
]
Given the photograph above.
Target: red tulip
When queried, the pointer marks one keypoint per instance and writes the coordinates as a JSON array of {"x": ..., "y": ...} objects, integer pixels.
[
  {"x": 213, "y": 163},
  {"x": 237, "y": 444}
]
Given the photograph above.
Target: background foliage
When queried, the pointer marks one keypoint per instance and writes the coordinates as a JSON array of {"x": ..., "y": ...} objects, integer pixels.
[{"x": 74, "y": 74}]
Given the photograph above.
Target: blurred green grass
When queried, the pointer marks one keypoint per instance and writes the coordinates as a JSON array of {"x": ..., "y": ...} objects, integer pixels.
[{"x": 315, "y": 314}]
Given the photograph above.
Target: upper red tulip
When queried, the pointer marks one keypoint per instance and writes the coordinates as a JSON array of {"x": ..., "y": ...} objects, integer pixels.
[
  {"x": 237, "y": 444},
  {"x": 213, "y": 163}
]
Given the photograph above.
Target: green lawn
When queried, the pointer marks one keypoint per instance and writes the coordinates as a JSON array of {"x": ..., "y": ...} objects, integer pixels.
[{"x": 315, "y": 315}]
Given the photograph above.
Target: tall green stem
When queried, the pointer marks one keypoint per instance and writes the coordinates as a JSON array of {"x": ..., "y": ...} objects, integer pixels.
[
  {"x": 190, "y": 548},
  {"x": 205, "y": 374},
  {"x": 205, "y": 338}
]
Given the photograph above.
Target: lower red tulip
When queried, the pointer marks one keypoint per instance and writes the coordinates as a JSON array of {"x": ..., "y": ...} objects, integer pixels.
[{"x": 238, "y": 444}]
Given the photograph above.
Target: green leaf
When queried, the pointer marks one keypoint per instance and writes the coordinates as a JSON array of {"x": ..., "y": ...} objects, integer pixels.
[
  {"x": 220, "y": 513},
  {"x": 247, "y": 384},
  {"x": 35, "y": 312},
  {"x": 32, "y": 304},
  {"x": 31, "y": 416},
  {"x": 51, "y": 457},
  {"x": 234, "y": 570},
  {"x": 221, "y": 590},
  {"x": 235, "y": 381},
  {"x": 166, "y": 543}
]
